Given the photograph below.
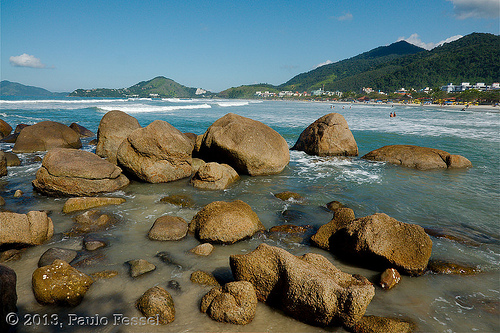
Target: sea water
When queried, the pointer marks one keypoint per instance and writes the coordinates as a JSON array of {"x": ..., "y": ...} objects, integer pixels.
[{"x": 463, "y": 203}]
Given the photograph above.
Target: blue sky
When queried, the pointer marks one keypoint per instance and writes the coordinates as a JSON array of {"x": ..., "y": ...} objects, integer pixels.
[{"x": 70, "y": 44}]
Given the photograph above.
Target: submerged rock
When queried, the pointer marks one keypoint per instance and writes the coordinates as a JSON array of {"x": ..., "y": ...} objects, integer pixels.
[
  {"x": 204, "y": 278},
  {"x": 334, "y": 205},
  {"x": 168, "y": 228},
  {"x": 446, "y": 267},
  {"x": 82, "y": 203},
  {"x": 92, "y": 221},
  {"x": 328, "y": 136},
  {"x": 114, "y": 127},
  {"x": 225, "y": 222},
  {"x": 157, "y": 153},
  {"x": 60, "y": 284},
  {"x": 287, "y": 196},
  {"x": 374, "y": 324},
  {"x": 421, "y": 158},
  {"x": 234, "y": 303},
  {"x": 71, "y": 172},
  {"x": 44, "y": 136},
  {"x": 157, "y": 303},
  {"x": 204, "y": 249},
  {"x": 247, "y": 145},
  {"x": 54, "y": 253},
  {"x": 178, "y": 200},
  {"x": 139, "y": 267},
  {"x": 308, "y": 288},
  {"x": 33, "y": 228},
  {"x": 214, "y": 176},
  {"x": 102, "y": 275}
]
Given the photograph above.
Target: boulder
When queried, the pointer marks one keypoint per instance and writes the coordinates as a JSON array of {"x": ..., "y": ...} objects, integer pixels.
[
  {"x": 71, "y": 172},
  {"x": 33, "y": 228},
  {"x": 45, "y": 136},
  {"x": 60, "y": 284},
  {"x": 12, "y": 159},
  {"x": 225, "y": 222},
  {"x": 374, "y": 324},
  {"x": 157, "y": 153},
  {"x": 5, "y": 129},
  {"x": 204, "y": 249},
  {"x": 54, "y": 253},
  {"x": 247, "y": 145},
  {"x": 82, "y": 203},
  {"x": 214, "y": 176},
  {"x": 114, "y": 127},
  {"x": 204, "y": 278},
  {"x": 81, "y": 131},
  {"x": 168, "y": 228},
  {"x": 234, "y": 303},
  {"x": 328, "y": 136},
  {"x": 157, "y": 303},
  {"x": 380, "y": 241},
  {"x": 3, "y": 164},
  {"x": 8, "y": 295},
  {"x": 139, "y": 267},
  {"x": 308, "y": 288},
  {"x": 389, "y": 278},
  {"x": 421, "y": 158}
]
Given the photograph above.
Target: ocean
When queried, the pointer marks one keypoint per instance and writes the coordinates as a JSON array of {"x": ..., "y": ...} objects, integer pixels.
[{"x": 462, "y": 203}]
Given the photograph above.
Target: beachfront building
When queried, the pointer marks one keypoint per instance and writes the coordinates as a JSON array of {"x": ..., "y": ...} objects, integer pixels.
[{"x": 481, "y": 86}]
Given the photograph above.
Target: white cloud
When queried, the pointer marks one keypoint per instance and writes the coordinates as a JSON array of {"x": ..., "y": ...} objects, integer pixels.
[
  {"x": 323, "y": 64},
  {"x": 465, "y": 9},
  {"x": 26, "y": 60},
  {"x": 346, "y": 17},
  {"x": 415, "y": 40}
]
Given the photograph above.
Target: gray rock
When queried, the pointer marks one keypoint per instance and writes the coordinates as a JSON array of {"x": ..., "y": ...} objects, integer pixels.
[
  {"x": 49, "y": 256},
  {"x": 139, "y": 267}
]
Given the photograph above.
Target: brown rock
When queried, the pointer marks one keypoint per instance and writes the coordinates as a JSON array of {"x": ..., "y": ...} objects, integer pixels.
[
  {"x": 446, "y": 267},
  {"x": 287, "y": 195},
  {"x": 308, "y": 288},
  {"x": 114, "y": 127},
  {"x": 225, "y": 222},
  {"x": 33, "y": 228},
  {"x": 417, "y": 157},
  {"x": 289, "y": 229},
  {"x": 192, "y": 137},
  {"x": 157, "y": 303},
  {"x": 77, "y": 173},
  {"x": 81, "y": 131},
  {"x": 204, "y": 249},
  {"x": 389, "y": 278},
  {"x": 55, "y": 253},
  {"x": 196, "y": 164},
  {"x": 328, "y": 136},
  {"x": 46, "y": 135},
  {"x": 168, "y": 228},
  {"x": 235, "y": 303},
  {"x": 249, "y": 146},
  {"x": 3, "y": 164},
  {"x": 214, "y": 176},
  {"x": 342, "y": 217},
  {"x": 60, "y": 284},
  {"x": 157, "y": 153},
  {"x": 20, "y": 127},
  {"x": 178, "y": 200},
  {"x": 104, "y": 275},
  {"x": 18, "y": 194},
  {"x": 92, "y": 221},
  {"x": 204, "y": 278},
  {"x": 139, "y": 267},
  {"x": 334, "y": 205},
  {"x": 12, "y": 159},
  {"x": 5, "y": 129},
  {"x": 374, "y": 324},
  {"x": 82, "y": 203},
  {"x": 10, "y": 255}
]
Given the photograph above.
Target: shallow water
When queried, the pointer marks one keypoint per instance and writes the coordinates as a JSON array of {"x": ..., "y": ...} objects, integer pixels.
[{"x": 465, "y": 202}]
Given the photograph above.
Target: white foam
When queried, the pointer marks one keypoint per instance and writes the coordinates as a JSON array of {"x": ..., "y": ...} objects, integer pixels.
[
  {"x": 237, "y": 103},
  {"x": 142, "y": 108}
]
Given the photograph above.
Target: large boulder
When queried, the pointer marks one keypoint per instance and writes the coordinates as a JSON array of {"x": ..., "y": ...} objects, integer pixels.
[
  {"x": 81, "y": 131},
  {"x": 5, "y": 129},
  {"x": 328, "y": 136},
  {"x": 247, "y": 145},
  {"x": 8, "y": 295},
  {"x": 421, "y": 158},
  {"x": 379, "y": 241},
  {"x": 71, "y": 172},
  {"x": 114, "y": 127},
  {"x": 225, "y": 222},
  {"x": 157, "y": 153},
  {"x": 308, "y": 288},
  {"x": 157, "y": 303},
  {"x": 60, "y": 284},
  {"x": 33, "y": 228},
  {"x": 44, "y": 136},
  {"x": 234, "y": 303},
  {"x": 214, "y": 176}
]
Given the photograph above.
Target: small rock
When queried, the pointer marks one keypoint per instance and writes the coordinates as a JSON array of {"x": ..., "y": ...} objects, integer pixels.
[
  {"x": 288, "y": 196},
  {"x": 374, "y": 324},
  {"x": 18, "y": 194},
  {"x": 203, "y": 249},
  {"x": 49, "y": 256},
  {"x": 289, "y": 229},
  {"x": 178, "y": 200},
  {"x": 94, "y": 259},
  {"x": 204, "y": 278},
  {"x": 12, "y": 159},
  {"x": 2, "y": 201},
  {"x": 93, "y": 244},
  {"x": 445, "y": 267},
  {"x": 334, "y": 205},
  {"x": 389, "y": 278},
  {"x": 234, "y": 303},
  {"x": 10, "y": 255},
  {"x": 168, "y": 228},
  {"x": 82, "y": 203},
  {"x": 104, "y": 275},
  {"x": 92, "y": 221},
  {"x": 174, "y": 285},
  {"x": 157, "y": 303},
  {"x": 140, "y": 267},
  {"x": 60, "y": 284}
]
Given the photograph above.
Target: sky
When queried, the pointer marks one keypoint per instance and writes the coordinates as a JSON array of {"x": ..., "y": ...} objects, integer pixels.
[{"x": 69, "y": 44}]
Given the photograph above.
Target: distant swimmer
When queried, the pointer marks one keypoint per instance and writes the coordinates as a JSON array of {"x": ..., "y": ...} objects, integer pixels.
[
  {"x": 394, "y": 115},
  {"x": 391, "y": 115}
]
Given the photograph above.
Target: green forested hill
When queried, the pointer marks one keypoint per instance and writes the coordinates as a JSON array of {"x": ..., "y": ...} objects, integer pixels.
[
  {"x": 247, "y": 91},
  {"x": 473, "y": 58},
  {"x": 8, "y": 88},
  {"x": 159, "y": 86}
]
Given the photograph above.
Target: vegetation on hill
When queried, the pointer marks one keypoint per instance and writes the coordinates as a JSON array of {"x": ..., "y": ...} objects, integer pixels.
[
  {"x": 8, "y": 88},
  {"x": 246, "y": 92}
]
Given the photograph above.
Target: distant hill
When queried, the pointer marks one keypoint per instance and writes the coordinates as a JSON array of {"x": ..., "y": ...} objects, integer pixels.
[
  {"x": 246, "y": 92},
  {"x": 473, "y": 58},
  {"x": 158, "y": 87},
  {"x": 8, "y": 88}
]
